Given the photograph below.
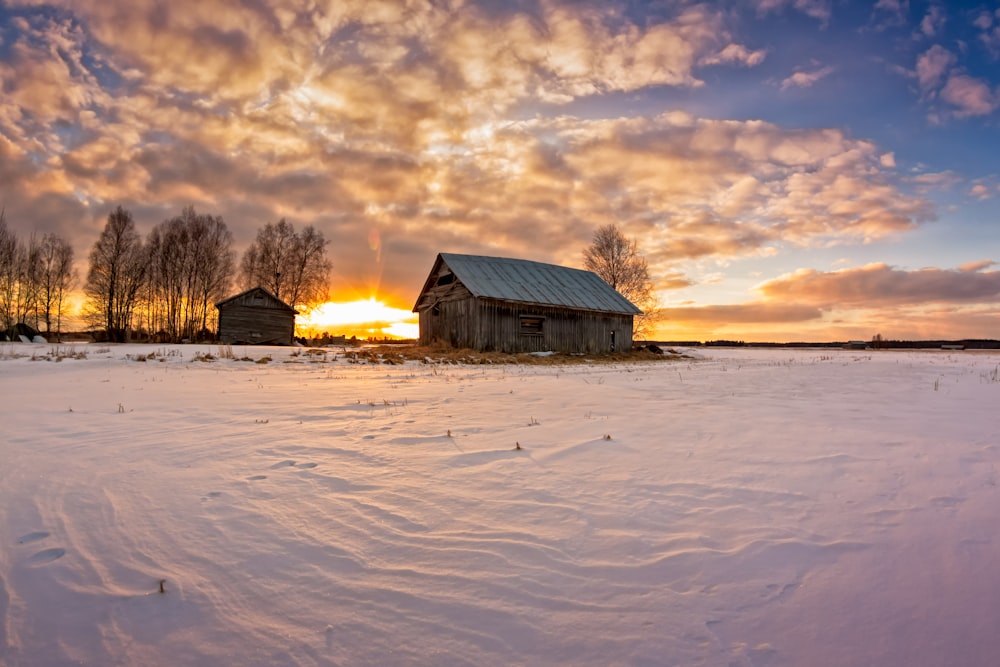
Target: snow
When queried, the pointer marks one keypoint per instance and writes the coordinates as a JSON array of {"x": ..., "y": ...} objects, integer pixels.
[{"x": 751, "y": 507}]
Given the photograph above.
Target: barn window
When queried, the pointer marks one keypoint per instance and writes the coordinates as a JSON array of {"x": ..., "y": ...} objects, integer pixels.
[
  {"x": 446, "y": 279},
  {"x": 531, "y": 325}
]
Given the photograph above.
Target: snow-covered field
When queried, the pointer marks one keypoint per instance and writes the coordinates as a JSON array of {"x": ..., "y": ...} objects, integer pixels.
[{"x": 753, "y": 507}]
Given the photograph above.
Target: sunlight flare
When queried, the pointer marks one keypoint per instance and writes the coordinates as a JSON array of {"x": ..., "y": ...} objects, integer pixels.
[{"x": 363, "y": 318}]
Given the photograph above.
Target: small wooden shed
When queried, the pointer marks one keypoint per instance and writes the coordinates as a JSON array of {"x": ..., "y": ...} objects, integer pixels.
[
  {"x": 256, "y": 317},
  {"x": 515, "y": 305}
]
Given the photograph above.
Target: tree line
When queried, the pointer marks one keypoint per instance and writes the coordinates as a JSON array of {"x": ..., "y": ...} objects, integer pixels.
[
  {"x": 164, "y": 286},
  {"x": 35, "y": 276}
]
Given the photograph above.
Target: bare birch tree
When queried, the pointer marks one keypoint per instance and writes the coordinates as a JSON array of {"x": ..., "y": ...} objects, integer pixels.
[
  {"x": 117, "y": 273},
  {"x": 20, "y": 275},
  {"x": 292, "y": 266},
  {"x": 616, "y": 259},
  {"x": 56, "y": 279},
  {"x": 191, "y": 267},
  {"x": 9, "y": 274},
  {"x": 216, "y": 262}
]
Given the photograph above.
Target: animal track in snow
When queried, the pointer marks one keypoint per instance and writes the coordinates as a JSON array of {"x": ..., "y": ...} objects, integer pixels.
[
  {"x": 33, "y": 537},
  {"x": 254, "y": 478},
  {"x": 46, "y": 556}
]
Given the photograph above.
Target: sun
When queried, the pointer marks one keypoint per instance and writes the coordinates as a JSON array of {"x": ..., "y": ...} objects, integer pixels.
[{"x": 364, "y": 318}]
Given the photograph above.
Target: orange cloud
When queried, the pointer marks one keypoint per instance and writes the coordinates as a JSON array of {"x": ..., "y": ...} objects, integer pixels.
[
  {"x": 738, "y": 54},
  {"x": 877, "y": 285},
  {"x": 740, "y": 314}
]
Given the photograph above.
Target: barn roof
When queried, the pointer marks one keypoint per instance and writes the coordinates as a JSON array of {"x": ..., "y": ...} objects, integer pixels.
[{"x": 524, "y": 281}]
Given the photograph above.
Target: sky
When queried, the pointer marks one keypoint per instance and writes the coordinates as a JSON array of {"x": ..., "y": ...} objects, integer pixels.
[{"x": 790, "y": 169}]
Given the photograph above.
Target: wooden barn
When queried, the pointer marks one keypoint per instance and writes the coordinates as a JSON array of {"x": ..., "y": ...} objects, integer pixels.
[
  {"x": 255, "y": 317},
  {"x": 514, "y": 305}
]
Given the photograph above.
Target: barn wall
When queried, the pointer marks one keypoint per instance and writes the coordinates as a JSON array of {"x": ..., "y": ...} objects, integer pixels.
[
  {"x": 249, "y": 321},
  {"x": 499, "y": 327},
  {"x": 488, "y": 325},
  {"x": 450, "y": 322}
]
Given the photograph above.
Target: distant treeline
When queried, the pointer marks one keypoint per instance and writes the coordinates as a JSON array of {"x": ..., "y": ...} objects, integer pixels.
[
  {"x": 884, "y": 344},
  {"x": 159, "y": 288}
]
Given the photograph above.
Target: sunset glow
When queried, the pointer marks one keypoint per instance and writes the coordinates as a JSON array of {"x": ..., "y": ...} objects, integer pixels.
[
  {"x": 791, "y": 170},
  {"x": 364, "y": 318}
]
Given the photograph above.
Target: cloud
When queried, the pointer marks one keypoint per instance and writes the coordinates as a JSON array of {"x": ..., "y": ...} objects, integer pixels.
[
  {"x": 890, "y": 13},
  {"x": 973, "y": 267},
  {"x": 984, "y": 190},
  {"x": 930, "y": 181},
  {"x": 939, "y": 78},
  {"x": 45, "y": 82},
  {"x": 892, "y": 6},
  {"x": 877, "y": 285},
  {"x": 803, "y": 79},
  {"x": 817, "y": 9},
  {"x": 742, "y": 314},
  {"x": 969, "y": 96},
  {"x": 932, "y": 66},
  {"x": 265, "y": 50},
  {"x": 855, "y": 303},
  {"x": 737, "y": 54},
  {"x": 989, "y": 26},
  {"x": 933, "y": 21},
  {"x": 667, "y": 279}
]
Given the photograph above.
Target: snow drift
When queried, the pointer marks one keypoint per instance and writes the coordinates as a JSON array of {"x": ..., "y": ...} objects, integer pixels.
[{"x": 754, "y": 507}]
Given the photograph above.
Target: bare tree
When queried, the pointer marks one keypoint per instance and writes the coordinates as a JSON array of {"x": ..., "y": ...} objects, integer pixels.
[
  {"x": 31, "y": 278},
  {"x": 266, "y": 260},
  {"x": 117, "y": 273},
  {"x": 292, "y": 266},
  {"x": 19, "y": 278},
  {"x": 310, "y": 269},
  {"x": 215, "y": 265},
  {"x": 56, "y": 278},
  {"x": 191, "y": 267},
  {"x": 167, "y": 247},
  {"x": 10, "y": 271},
  {"x": 616, "y": 259}
]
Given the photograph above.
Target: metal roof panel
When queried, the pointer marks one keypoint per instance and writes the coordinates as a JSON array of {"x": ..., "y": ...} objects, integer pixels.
[{"x": 525, "y": 281}]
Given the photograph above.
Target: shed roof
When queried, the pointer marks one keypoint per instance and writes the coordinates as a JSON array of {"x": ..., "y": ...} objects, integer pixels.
[
  {"x": 275, "y": 301},
  {"x": 524, "y": 281}
]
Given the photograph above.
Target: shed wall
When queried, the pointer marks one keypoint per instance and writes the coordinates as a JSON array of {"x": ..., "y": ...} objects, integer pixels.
[{"x": 249, "y": 321}]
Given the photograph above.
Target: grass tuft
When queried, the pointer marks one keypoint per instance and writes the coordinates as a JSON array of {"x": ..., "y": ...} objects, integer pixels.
[{"x": 441, "y": 355}]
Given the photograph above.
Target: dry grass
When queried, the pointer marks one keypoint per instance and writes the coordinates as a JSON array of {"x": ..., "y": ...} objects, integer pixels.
[
  {"x": 396, "y": 354},
  {"x": 55, "y": 353}
]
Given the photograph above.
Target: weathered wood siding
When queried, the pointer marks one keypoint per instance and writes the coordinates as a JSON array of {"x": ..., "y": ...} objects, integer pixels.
[
  {"x": 254, "y": 319},
  {"x": 449, "y": 322},
  {"x": 489, "y": 325}
]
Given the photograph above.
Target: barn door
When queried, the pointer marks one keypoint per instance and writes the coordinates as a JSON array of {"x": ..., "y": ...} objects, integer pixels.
[{"x": 612, "y": 340}]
